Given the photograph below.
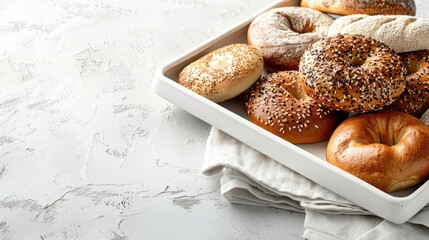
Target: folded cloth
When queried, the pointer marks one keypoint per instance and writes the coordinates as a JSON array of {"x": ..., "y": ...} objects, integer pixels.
[{"x": 250, "y": 177}]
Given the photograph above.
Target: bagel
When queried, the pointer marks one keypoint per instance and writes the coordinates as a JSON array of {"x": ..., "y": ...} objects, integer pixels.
[
  {"x": 400, "y": 33},
  {"x": 283, "y": 34},
  {"x": 415, "y": 98},
  {"x": 352, "y": 73},
  {"x": 370, "y": 7},
  {"x": 224, "y": 73},
  {"x": 387, "y": 149},
  {"x": 278, "y": 104}
]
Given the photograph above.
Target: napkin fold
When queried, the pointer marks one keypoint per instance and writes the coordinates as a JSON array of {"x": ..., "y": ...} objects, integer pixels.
[{"x": 250, "y": 177}]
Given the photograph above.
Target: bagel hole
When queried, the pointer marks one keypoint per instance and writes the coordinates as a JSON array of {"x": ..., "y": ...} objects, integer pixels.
[
  {"x": 357, "y": 61},
  {"x": 388, "y": 141},
  {"x": 308, "y": 28},
  {"x": 384, "y": 133},
  {"x": 413, "y": 66},
  {"x": 300, "y": 95},
  {"x": 301, "y": 29},
  {"x": 220, "y": 62},
  {"x": 388, "y": 137},
  {"x": 297, "y": 92}
]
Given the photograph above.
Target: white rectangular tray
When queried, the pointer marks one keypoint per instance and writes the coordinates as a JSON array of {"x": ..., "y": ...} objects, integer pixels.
[{"x": 307, "y": 159}]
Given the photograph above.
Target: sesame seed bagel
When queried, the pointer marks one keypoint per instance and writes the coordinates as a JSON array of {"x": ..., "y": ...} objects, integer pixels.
[
  {"x": 401, "y": 33},
  {"x": 352, "y": 73},
  {"x": 283, "y": 34},
  {"x": 224, "y": 73},
  {"x": 415, "y": 98},
  {"x": 370, "y": 7},
  {"x": 278, "y": 104},
  {"x": 387, "y": 149}
]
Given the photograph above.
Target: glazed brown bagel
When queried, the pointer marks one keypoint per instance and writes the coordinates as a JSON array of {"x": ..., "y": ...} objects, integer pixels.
[
  {"x": 278, "y": 104},
  {"x": 387, "y": 149},
  {"x": 352, "y": 73},
  {"x": 370, "y": 7},
  {"x": 283, "y": 34},
  {"x": 415, "y": 98}
]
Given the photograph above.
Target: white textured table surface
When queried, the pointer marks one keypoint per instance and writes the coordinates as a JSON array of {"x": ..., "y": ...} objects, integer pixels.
[{"x": 87, "y": 150}]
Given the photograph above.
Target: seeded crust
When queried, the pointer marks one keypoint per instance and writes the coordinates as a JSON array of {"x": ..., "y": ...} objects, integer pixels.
[
  {"x": 370, "y": 7},
  {"x": 283, "y": 34},
  {"x": 387, "y": 149},
  {"x": 352, "y": 73},
  {"x": 224, "y": 73},
  {"x": 278, "y": 104},
  {"x": 401, "y": 33},
  {"x": 415, "y": 98}
]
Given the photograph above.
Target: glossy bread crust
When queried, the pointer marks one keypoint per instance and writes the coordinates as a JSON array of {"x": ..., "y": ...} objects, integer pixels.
[{"x": 387, "y": 149}]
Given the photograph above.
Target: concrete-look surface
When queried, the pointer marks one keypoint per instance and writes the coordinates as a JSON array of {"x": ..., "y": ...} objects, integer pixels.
[{"x": 87, "y": 150}]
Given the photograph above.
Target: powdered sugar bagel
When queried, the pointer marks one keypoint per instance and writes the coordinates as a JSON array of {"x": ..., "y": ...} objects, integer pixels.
[
  {"x": 399, "y": 32},
  {"x": 283, "y": 34}
]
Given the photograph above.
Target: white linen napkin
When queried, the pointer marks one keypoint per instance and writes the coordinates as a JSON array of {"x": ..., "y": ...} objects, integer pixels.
[{"x": 249, "y": 177}]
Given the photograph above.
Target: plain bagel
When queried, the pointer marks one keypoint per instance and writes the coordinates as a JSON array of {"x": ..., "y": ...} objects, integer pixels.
[
  {"x": 387, "y": 149},
  {"x": 399, "y": 32}
]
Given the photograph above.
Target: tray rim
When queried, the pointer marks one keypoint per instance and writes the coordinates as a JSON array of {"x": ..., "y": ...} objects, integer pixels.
[{"x": 397, "y": 209}]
